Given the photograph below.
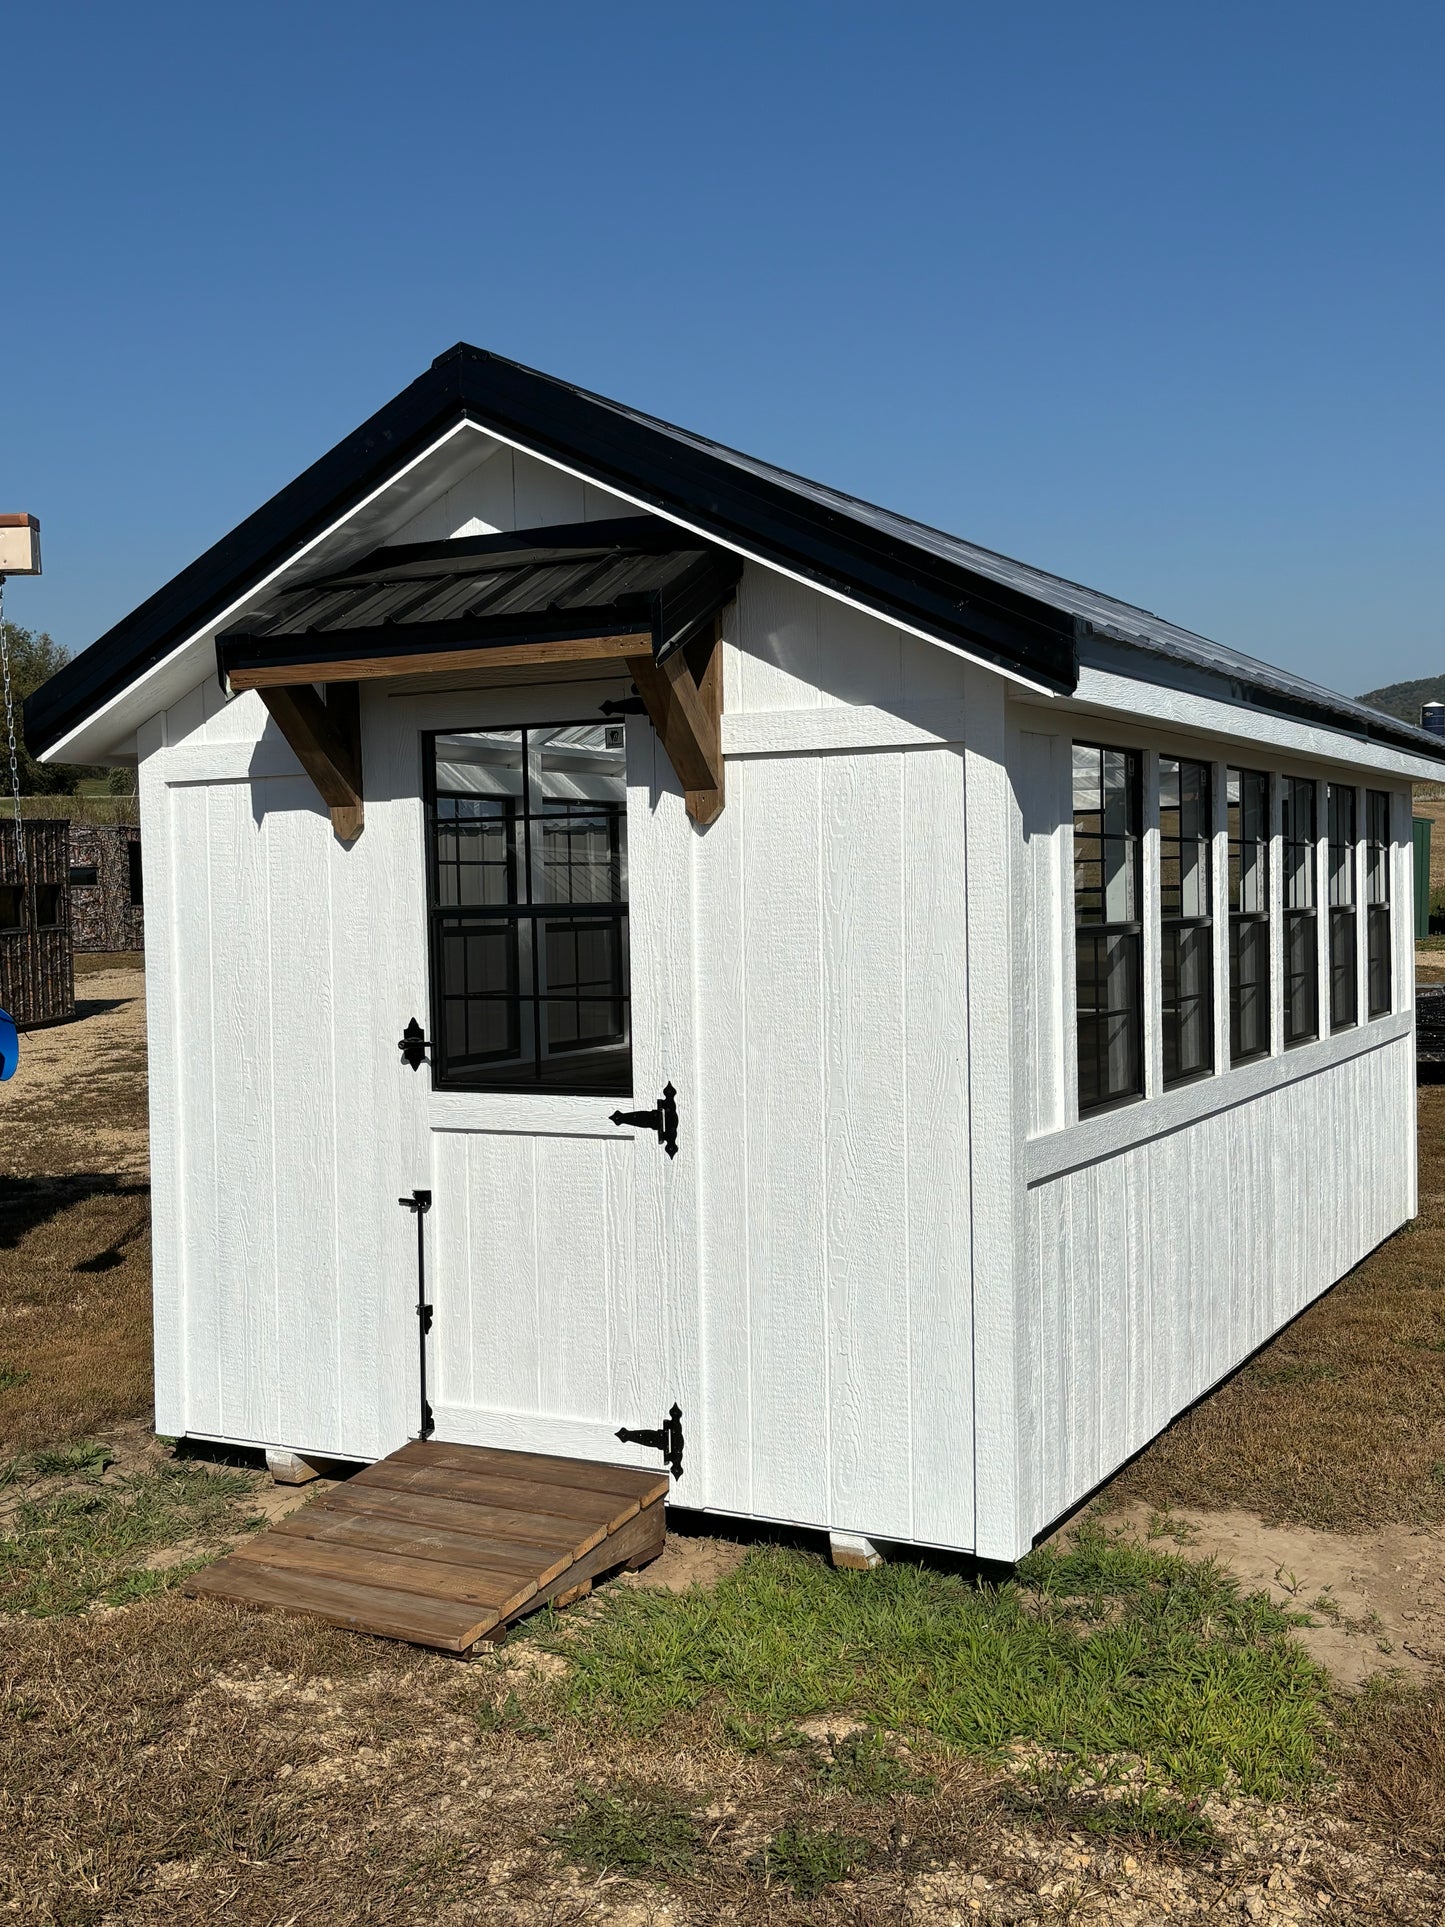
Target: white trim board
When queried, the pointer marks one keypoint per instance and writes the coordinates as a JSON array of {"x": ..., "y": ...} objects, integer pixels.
[{"x": 1107, "y": 1133}]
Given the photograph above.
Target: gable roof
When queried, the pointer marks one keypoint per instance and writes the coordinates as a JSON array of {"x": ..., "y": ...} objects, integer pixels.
[{"x": 1016, "y": 618}]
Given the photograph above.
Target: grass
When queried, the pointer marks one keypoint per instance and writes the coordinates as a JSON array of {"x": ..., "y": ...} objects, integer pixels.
[
  {"x": 89, "y": 1541},
  {"x": 808, "y": 1859},
  {"x": 1103, "y": 1650},
  {"x": 637, "y": 1830},
  {"x": 1136, "y": 1816},
  {"x": 1339, "y": 1422}
]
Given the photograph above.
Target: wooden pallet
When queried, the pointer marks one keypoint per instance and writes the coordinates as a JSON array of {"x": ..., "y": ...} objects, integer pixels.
[{"x": 443, "y": 1545}]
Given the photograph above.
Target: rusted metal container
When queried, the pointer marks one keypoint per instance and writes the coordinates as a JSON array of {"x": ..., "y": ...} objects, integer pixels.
[{"x": 37, "y": 975}]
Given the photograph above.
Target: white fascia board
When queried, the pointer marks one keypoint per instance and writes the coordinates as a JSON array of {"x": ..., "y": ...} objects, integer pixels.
[
  {"x": 109, "y": 731},
  {"x": 1101, "y": 693},
  {"x": 763, "y": 561}
]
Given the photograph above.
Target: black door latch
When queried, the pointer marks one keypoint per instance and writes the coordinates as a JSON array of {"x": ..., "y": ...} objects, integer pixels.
[
  {"x": 413, "y": 1045},
  {"x": 667, "y": 1439},
  {"x": 419, "y": 1203},
  {"x": 663, "y": 1120}
]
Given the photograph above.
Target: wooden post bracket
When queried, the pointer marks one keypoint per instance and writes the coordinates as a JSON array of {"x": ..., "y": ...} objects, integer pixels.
[
  {"x": 326, "y": 737},
  {"x": 684, "y": 696}
]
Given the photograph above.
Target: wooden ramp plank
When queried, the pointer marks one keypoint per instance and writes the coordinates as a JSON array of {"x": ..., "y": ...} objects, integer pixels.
[
  {"x": 628, "y": 1480},
  {"x": 362, "y": 1609},
  {"x": 423, "y": 1578},
  {"x": 423, "y": 1509},
  {"x": 522, "y": 1495},
  {"x": 442, "y": 1545},
  {"x": 380, "y": 1534}
]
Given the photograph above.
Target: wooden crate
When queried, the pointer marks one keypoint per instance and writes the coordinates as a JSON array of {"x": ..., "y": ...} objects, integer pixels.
[{"x": 37, "y": 976}]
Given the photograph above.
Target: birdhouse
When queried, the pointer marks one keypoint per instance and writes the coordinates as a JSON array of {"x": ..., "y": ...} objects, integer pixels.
[{"x": 19, "y": 545}]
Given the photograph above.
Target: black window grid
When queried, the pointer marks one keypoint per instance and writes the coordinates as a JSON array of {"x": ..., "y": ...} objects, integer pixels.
[
  {"x": 1344, "y": 955},
  {"x": 1248, "y": 822},
  {"x": 1108, "y": 946},
  {"x": 504, "y": 936},
  {"x": 1299, "y": 809},
  {"x": 1186, "y": 948},
  {"x": 1379, "y": 974}
]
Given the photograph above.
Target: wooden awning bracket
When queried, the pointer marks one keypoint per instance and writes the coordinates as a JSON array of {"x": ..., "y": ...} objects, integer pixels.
[
  {"x": 326, "y": 738},
  {"x": 683, "y": 696}
]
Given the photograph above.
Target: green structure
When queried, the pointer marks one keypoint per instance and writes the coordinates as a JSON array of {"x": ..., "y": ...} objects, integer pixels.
[{"x": 1421, "y": 827}]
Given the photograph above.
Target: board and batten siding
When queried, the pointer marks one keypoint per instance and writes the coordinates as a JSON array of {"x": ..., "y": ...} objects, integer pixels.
[
  {"x": 1163, "y": 1242},
  {"x": 828, "y": 1092}
]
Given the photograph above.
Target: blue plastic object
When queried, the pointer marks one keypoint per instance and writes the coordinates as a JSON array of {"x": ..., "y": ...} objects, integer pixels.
[{"x": 9, "y": 1046}]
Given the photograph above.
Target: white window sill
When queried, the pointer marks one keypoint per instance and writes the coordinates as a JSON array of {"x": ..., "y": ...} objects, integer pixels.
[{"x": 1110, "y": 1132}]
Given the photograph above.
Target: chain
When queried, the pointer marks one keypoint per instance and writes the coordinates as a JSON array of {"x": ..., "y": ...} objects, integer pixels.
[{"x": 10, "y": 736}]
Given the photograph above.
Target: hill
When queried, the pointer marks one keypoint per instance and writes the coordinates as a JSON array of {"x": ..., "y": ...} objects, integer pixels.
[{"x": 1403, "y": 699}]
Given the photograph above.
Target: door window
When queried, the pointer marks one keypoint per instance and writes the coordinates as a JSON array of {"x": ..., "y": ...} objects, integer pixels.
[{"x": 527, "y": 834}]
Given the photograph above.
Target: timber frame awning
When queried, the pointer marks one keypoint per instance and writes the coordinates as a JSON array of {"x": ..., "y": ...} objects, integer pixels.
[{"x": 637, "y": 592}]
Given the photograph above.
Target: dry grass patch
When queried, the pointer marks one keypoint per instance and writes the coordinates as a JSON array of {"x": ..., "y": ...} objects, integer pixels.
[
  {"x": 1339, "y": 1422},
  {"x": 75, "y": 1303}
]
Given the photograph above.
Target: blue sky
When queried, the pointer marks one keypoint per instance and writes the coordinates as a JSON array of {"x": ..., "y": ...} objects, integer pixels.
[{"x": 1150, "y": 296}]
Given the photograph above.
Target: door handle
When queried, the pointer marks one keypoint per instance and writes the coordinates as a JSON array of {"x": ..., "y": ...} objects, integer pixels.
[{"x": 663, "y": 1120}]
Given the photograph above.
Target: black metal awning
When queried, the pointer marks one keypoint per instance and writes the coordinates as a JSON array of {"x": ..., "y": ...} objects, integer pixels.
[{"x": 635, "y": 576}]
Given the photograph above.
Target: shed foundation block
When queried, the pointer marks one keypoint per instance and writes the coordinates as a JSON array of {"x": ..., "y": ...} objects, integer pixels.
[
  {"x": 852, "y": 1553},
  {"x": 287, "y": 1468}
]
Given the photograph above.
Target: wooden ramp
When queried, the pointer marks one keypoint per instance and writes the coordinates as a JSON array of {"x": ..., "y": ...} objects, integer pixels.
[{"x": 443, "y": 1545}]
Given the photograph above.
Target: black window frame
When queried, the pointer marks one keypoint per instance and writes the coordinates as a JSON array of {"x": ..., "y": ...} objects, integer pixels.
[
  {"x": 83, "y": 876},
  {"x": 1379, "y": 934},
  {"x": 601, "y": 1069},
  {"x": 1250, "y": 967},
  {"x": 1185, "y": 939},
  {"x": 1094, "y": 936},
  {"x": 1342, "y": 889},
  {"x": 1301, "y": 971}
]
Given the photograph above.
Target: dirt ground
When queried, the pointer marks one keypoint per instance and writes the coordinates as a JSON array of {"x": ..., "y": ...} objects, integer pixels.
[{"x": 171, "y": 1761}]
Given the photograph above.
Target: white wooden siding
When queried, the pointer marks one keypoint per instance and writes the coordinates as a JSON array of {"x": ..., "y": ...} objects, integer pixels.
[
  {"x": 1150, "y": 1274},
  {"x": 832, "y": 1054}
]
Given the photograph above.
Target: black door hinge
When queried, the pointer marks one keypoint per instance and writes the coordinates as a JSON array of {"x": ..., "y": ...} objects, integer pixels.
[
  {"x": 419, "y": 1203},
  {"x": 413, "y": 1046},
  {"x": 667, "y": 1439},
  {"x": 663, "y": 1120}
]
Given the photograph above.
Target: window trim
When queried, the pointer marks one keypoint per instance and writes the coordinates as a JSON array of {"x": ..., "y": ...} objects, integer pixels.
[{"x": 481, "y": 1080}]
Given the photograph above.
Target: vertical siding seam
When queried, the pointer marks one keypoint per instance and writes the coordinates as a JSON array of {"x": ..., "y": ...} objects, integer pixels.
[
  {"x": 740, "y": 805},
  {"x": 175, "y": 1155},
  {"x": 215, "y": 1173},
  {"x": 822, "y": 1040},
  {"x": 275, "y": 1420},
  {"x": 343, "y": 1418},
  {"x": 903, "y": 951}
]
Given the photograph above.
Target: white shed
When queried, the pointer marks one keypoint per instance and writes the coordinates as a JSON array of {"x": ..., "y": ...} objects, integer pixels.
[{"x": 921, "y": 1019}]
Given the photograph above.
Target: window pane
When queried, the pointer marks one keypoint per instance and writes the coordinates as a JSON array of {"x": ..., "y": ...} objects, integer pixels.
[
  {"x": 524, "y": 819},
  {"x": 1248, "y": 988},
  {"x": 1249, "y": 842},
  {"x": 1108, "y": 1005},
  {"x": 1342, "y": 846},
  {"x": 1106, "y": 910},
  {"x": 1301, "y": 979},
  {"x": 1344, "y": 970},
  {"x": 1186, "y": 912},
  {"x": 1188, "y": 1003},
  {"x": 1299, "y": 843}
]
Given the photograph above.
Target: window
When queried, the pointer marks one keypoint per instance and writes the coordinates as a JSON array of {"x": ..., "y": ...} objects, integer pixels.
[
  {"x": 137, "y": 888},
  {"x": 1377, "y": 903},
  {"x": 528, "y": 881},
  {"x": 82, "y": 875},
  {"x": 1186, "y": 917},
  {"x": 48, "y": 897},
  {"x": 12, "y": 906},
  {"x": 1301, "y": 939},
  {"x": 1107, "y": 928},
  {"x": 1344, "y": 968},
  {"x": 1248, "y": 806}
]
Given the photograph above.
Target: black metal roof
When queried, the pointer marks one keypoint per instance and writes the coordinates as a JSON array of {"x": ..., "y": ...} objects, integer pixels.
[
  {"x": 584, "y": 579},
  {"x": 1000, "y": 611}
]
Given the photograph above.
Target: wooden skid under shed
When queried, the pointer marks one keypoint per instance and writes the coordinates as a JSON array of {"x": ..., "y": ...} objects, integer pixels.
[{"x": 443, "y": 1545}]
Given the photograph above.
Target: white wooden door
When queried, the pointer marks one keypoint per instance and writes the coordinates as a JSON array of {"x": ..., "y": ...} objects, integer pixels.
[{"x": 560, "y": 1245}]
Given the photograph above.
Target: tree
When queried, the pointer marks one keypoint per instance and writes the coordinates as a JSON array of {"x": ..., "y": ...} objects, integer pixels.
[{"x": 33, "y": 659}]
